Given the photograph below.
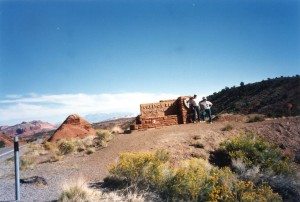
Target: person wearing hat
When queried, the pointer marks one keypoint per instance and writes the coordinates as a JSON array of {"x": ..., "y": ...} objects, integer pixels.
[{"x": 206, "y": 105}]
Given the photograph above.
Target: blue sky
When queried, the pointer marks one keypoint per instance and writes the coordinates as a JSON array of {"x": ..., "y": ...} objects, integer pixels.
[{"x": 62, "y": 57}]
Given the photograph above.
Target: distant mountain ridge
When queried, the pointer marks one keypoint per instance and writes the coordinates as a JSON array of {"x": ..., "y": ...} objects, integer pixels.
[
  {"x": 272, "y": 97},
  {"x": 27, "y": 128},
  {"x": 99, "y": 117}
]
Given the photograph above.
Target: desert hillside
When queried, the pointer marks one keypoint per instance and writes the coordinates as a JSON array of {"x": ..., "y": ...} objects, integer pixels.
[
  {"x": 27, "y": 128},
  {"x": 272, "y": 97},
  {"x": 183, "y": 142}
]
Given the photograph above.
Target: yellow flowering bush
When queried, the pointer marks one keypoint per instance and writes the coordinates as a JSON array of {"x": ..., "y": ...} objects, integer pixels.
[
  {"x": 137, "y": 167},
  {"x": 193, "y": 180}
]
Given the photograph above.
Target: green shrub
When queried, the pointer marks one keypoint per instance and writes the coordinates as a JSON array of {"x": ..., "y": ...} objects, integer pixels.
[
  {"x": 255, "y": 151},
  {"x": 50, "y": 146},
  {"x": 66, "y": 147},
  {"x": 131, "y": 166},
  {"x": 2, "y": 144},
  {"x": 227, "y": 128},
  {"x": 193, "y": 180},
  {"x": 103, "y": 135},
  {"x": 256, "y": 119},
  {"x": 162, "y": 155}
]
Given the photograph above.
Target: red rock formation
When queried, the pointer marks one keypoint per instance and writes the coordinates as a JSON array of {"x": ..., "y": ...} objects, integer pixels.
[
  {"x": 27, "y": 128},
  {"x": 74, "y": 126}
]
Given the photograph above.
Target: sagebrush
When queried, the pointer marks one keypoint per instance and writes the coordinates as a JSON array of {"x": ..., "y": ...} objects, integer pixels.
[{"x": 193, "y": 180}]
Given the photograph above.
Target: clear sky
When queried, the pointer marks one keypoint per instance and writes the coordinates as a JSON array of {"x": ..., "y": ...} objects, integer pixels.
[{"x": 83, "y": 56}]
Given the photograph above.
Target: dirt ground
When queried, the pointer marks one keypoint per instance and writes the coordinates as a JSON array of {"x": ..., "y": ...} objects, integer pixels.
[{"x": 182, "y": 141}]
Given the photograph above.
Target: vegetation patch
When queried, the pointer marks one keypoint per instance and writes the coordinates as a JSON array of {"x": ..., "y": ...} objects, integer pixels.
[
  {"x": 197, "y": 144},
  {"x": 2, "y": 144},
  {"x": 193, "y": 180},
  {"x": 78, "y": 191},
  {"x": 55, "y": 151},
  {"x": 255, "y": 151},
  {"x": 227, "y": 128},
  {"x": 27, "y": 162},
  {"x": 254, "y": 159},
  {"x": 66, "y": 147},
  {"x": 256, "y": 119}
]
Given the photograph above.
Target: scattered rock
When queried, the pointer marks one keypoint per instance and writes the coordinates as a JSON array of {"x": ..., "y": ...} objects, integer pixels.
[{"x": 35, "y": 180}]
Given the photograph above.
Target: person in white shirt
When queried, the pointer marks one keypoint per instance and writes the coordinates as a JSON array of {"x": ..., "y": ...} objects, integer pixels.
[
  {"x": 195, "y": 106},
  {"x": 206, "y": 105}
]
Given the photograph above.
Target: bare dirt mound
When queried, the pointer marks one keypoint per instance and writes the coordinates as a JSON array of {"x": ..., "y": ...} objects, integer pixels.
[{"x": 74, "y": 126}]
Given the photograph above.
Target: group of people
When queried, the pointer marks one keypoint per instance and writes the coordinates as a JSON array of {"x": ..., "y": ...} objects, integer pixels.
[{"x": 200, "y": 109}]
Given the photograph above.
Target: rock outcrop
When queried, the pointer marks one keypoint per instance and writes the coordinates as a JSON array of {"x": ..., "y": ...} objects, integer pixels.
[{"x": 74, "y": 126}]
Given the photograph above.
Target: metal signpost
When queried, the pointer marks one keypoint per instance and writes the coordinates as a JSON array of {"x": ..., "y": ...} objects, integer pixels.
[{"x": 17, "y": 168}]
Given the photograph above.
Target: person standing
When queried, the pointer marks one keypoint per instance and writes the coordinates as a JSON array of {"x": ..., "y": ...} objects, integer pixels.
[
  {"x": 196, "y": 109},
  {"x": 206, "y": 105}
]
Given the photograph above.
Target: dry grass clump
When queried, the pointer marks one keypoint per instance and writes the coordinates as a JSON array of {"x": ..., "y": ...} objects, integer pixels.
[
  {"x": 55, "y": 151},
  {"x": 125, "y": 196},
  {"x": 87, "y": 145},
  {"x": 116, "y": 130},
  {"x": 193, "y": 180},
  {"x": 103, "y": 137},
  {"x": 256, "y": 119},
  {"x": 78, "y": 191},
  {"x": 227, "y": 128},
  {"x": 27, "y": 162},
  {"x": 49, "y": 146},
  {"x": 66, "y": 146}
]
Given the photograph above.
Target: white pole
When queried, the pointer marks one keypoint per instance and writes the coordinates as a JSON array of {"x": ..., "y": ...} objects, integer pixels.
[{"x": 17, "y": 168}]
